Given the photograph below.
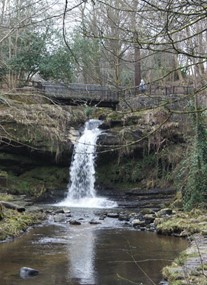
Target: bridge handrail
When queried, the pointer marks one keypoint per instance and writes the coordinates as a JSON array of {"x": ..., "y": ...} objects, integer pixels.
[{"x": 108, "y": 93}]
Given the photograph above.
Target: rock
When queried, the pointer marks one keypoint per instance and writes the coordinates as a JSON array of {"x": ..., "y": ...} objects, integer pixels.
[
  {"x": 27, "y": 272},
  {"x": 149, "y": 218},
  {"x": 12, "y": 206},
  {"x": 137, "y": 222},
  {"x": 204, "y": 233},
  {"x": 102, "y": 217},
  {"x": 67, "y": 211},
  {"x": 94, "y": 222},
  {"x": 164, "y": 212},
  {"x": 158, "y": 221},
  {"x": 184, "y": 234},
  {"x": 75, "y": 222},
  {"x": 59, "y": 211},
  {"x": 63, "y": 211},
  {"x": 112, "y": 215},
  {"x": 163, "y": 282},
  {"x": 124, "y": 217},
  {"x": 59, "y": 218},
  {"x": 147, "y": 211}
]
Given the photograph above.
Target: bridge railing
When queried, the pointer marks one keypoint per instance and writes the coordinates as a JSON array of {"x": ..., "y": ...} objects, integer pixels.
[
  {"x": 157, "y": 90},
  {"x": 79, "y": 91},
  {"x": 106, "y": 93}
]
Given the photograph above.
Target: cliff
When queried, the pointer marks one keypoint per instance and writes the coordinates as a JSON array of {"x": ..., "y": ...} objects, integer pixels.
[{"x": 136, "y": 150}]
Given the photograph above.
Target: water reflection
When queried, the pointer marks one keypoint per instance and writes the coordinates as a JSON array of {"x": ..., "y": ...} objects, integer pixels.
[
  {"x": 81, "y": 256},
  {"x": 87, "y": 254}
]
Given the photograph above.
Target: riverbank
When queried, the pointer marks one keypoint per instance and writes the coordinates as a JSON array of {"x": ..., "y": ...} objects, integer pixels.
[
  {"x": 14, "y": 219},
  {"x": 191, "y": 265}
]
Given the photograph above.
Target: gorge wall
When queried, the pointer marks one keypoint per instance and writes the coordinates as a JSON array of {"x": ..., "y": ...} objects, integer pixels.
[{"x": 137, "y": 151}]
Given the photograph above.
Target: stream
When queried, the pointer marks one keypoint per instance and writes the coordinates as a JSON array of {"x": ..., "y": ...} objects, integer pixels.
[{"x": 109, "y": 253}]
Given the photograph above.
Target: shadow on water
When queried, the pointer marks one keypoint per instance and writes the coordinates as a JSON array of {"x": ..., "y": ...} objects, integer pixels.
[{"x": 105, "y": 254}]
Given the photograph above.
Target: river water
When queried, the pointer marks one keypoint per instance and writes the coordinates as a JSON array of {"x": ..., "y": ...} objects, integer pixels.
[{"x": 106, "y": 254}]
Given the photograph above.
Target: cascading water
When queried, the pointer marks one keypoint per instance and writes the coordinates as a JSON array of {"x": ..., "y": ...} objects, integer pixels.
[{"x": 81, "y": 192}]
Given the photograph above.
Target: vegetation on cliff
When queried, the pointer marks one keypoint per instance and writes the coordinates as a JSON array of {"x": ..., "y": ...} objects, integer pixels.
[{"x": 37, "y": 140}]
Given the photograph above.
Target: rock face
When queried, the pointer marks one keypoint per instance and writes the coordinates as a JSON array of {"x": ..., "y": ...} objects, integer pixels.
[
  {"x": 40, "y": 131},
  {"x": 41, "y": 138},
  {"x": 37, "y": 146}
]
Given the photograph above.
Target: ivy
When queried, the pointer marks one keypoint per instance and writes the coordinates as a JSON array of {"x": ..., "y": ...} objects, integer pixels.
[{"x": 192, "y": 177}]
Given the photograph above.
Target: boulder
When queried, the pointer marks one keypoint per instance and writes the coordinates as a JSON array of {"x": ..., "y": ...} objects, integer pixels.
[
  {"x": 124, "y": 217},
  {"x": 112, "y": 215},
  {"x": 59, "y": 218},
  {"x": 27, "y": 272},
  {"x": 149, "y": 218},
  {"x": 164, "y": 212},
  {"x": 94, "y": 222},
  {"x": 75, "y": 222},
  {"x": 137, "y": 222}
]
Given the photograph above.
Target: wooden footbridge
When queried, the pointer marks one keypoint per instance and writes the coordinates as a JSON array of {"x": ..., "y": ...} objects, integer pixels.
[{"x": 104, "y": 96}]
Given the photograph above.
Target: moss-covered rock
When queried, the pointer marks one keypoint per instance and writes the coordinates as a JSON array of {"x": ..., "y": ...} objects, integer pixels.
[
  {"x": 14, "y": 223},
  {"x": 192, "y": 222},
  {"x": 191, "y": 265},
  {"x": 39, "y": 182}
]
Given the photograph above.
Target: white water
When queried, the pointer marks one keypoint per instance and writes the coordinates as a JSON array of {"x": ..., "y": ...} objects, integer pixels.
[{"x": 81, "y": 191}]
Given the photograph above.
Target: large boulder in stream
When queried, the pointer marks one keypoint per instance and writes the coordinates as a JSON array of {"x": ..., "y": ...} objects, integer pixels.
[{"x": 27, "y": 272}]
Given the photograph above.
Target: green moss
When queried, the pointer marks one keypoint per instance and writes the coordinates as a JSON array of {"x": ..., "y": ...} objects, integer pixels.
[
  {"x": 3, "y": 174},
  {"x": 38, "y": 180},
  {"x": 5, "y": 197},
  {"x": 14, "y": 223},
  {"x": 176, "y": 224},
  {"x": 177, "y": 274},
  {"x": 127, "y": 172}
]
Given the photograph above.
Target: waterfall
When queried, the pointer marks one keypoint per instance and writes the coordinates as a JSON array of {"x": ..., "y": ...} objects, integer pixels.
[{"x": 81, "y": 191}]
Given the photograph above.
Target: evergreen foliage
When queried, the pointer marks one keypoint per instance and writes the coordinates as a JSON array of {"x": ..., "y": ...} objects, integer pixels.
[{"x": 192, "y": 178}]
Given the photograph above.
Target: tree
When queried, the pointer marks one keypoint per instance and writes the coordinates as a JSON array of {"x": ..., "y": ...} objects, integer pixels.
[
  {"x": 87, "y": 51},
  {"x": 31, "y": 49},
  {"x": 169, "y": 40},
  {"x": 57, "y": 66},
  {"x": 20, "y": 28}
]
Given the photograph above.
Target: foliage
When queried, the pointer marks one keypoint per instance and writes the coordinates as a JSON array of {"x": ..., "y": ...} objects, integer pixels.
[
  {"x": 87, "y": 52},
  {"x": 5, "y": 197},
  {"x": 31, "y": 47},
  {"x": 37, "y": 181},
  {"x": 126, "y": 172},
  {"x": 57, "y": 66},
  {"x": 192, "y": 178}
]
